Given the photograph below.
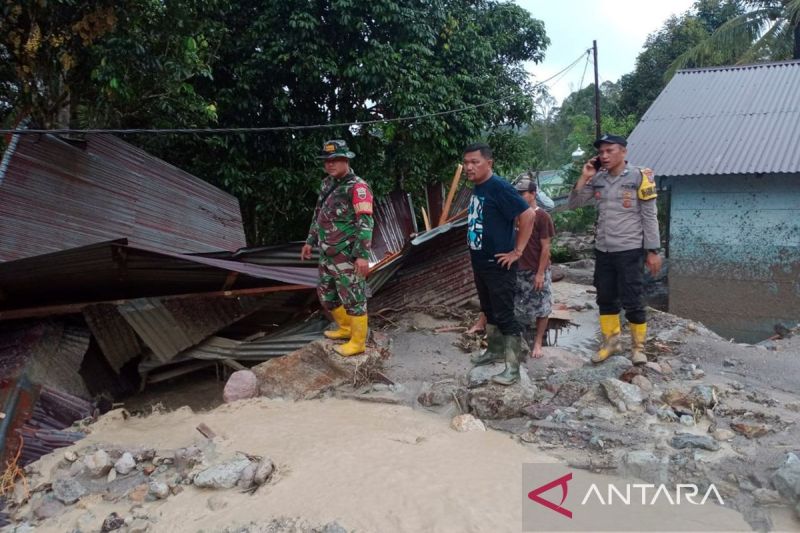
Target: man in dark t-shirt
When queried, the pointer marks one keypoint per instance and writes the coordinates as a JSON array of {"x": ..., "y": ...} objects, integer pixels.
[
  {"x": 494, "y": 250},
  {"x": 533, "y": 300}
]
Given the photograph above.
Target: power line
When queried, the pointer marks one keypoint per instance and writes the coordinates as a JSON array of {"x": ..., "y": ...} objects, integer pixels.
[
  {"x": 280, "y": 128},
  {"x": 585, "y": 66}
]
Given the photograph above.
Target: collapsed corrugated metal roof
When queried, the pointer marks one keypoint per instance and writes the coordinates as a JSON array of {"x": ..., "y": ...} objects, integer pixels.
[
  {"x": 281, "y": 342},
  {"x": 103, "y": 189},
  {"x": 169, "y": 326},
  {"x": 435, "y": 270},
  {"x": 394, "y": 223},
  {"x": 115, "y": 270},
  {"x": 723, "y": 120}
]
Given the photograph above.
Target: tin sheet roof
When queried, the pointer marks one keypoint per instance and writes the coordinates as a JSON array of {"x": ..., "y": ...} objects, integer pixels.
[
  {"x": 56, "y": 195},
  {"x": 725, "y": 120}
]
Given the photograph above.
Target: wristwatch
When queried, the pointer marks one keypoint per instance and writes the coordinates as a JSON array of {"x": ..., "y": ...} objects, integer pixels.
[{"x": 653, "y": 251}]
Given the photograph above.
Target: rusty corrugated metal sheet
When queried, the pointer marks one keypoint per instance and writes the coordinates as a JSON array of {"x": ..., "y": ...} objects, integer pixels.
[
  {"x": 276, "y": 344},
  {"x": 723, "y": 120},
  {"x": 435, "y": 272},
  {"x": 169, "y": 326},
  {"x": 112, "y": 270},
  {"x": 461, "y": 200},
  {"x": 394, "y": 223},
  {"x": 45, "y": 351},
  {"x": 281, "y": 342},
  {"x": 116, "y": 338},
  {"x": 56, "y": 195}
]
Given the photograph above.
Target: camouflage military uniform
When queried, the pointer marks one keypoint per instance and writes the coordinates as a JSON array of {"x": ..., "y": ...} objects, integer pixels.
[{"x": 342, "y": 227}]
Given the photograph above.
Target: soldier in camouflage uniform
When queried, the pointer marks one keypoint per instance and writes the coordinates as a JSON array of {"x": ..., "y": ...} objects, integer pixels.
[{"x": 342, "y": 228}]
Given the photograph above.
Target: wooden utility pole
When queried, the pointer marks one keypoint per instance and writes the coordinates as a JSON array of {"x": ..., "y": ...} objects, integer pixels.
[{"x": 596, "y": 93}]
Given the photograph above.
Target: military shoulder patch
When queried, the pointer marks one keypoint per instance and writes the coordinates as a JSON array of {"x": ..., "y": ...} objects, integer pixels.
[
  {"x": 362, "y": 199},
  {"x": 647, "y": 187}
]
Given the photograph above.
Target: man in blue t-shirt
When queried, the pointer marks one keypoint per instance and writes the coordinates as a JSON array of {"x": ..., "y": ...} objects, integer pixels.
[{"x": 494, "y": 249}]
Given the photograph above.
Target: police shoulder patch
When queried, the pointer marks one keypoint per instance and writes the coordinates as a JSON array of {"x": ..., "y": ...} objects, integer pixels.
[{"x": 647, "y": 187}]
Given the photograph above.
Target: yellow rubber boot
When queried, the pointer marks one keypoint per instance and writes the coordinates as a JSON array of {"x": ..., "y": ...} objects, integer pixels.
[
  {"x": 638, "y": 336},
  {"x": 358, "y": 337},
  {"x": 343, "y": 321},
  {"x": 610, "y": 328}
]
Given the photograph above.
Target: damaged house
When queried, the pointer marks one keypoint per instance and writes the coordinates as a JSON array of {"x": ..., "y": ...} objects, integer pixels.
[
  {"x": 725, "y": 146},
  {"x": 118, "y": 270}
]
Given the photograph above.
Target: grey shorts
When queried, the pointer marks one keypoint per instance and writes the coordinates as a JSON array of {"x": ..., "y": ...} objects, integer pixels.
[{"x": 530, "y": 304}]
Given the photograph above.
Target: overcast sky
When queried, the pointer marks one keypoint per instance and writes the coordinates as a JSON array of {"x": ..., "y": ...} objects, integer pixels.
[{"x": 619, "y": 26}]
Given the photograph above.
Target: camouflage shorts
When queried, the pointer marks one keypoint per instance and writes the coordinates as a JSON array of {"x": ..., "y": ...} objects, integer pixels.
[
  {"x": 340, "y": 285},
  {"x": 530, "y": 304}
]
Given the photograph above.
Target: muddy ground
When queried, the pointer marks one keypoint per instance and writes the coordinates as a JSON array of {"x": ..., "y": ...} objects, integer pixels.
[{"x": 753, "y": 419}]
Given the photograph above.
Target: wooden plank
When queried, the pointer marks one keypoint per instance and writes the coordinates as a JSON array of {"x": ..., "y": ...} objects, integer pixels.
[
  {"x": 206, "y": 431},
  {"x": 450, "y": 195},
  {"x": 230, "y": 280}
]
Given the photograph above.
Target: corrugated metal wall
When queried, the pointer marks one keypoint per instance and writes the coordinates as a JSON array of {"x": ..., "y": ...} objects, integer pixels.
[
  {"x": 735, "y": 253},
  {"x": 55, "y": 195}
]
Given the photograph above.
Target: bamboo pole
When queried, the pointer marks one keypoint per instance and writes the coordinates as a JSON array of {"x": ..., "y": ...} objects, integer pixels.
[{"x": 450, "y": 195}]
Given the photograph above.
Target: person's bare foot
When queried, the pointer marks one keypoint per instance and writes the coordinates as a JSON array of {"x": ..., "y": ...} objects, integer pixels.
[
  {"x": 537, "y": 352},
  {"x": 475, "y": 329},
  {"x": 479, "y": 326}
]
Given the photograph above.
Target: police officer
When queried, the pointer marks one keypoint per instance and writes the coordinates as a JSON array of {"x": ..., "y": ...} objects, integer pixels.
[
  {"x": 342, "y": 228},
  {"x": 627, "y": 239}
]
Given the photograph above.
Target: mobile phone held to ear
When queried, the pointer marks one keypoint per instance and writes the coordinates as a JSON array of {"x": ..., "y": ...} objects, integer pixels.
[{"x": 596, "y": 163}]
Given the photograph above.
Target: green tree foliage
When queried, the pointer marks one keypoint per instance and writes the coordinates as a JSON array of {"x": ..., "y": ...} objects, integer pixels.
[
  {"x": 677, "y": 36},
  {"x": 249, "y": 63},
  {"x": 766, "y": 30},
  {"x": 105, "y": 63},
  {"x": 337, "y": 61}
]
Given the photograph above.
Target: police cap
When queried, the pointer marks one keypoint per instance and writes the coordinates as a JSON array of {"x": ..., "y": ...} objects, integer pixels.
[{"x": 608, "y": 138}]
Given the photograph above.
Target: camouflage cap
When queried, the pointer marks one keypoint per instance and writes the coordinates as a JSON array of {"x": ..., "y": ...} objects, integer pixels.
[{"x": 335, "y": 148}]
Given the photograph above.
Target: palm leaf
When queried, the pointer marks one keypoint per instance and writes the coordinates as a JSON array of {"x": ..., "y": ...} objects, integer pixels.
[{"x": 733, "y": 39}]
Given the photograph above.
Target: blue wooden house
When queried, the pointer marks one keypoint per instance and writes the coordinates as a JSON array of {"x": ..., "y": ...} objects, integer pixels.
[{"x": 725, "y": 145}]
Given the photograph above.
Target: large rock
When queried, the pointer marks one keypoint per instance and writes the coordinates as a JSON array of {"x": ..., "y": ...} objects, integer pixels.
[
  {"x": 466, "y": 423},
  {"x": 624, "y": 396},
  {"x": 98, "y": 463},
  {"x": 222, "y": 475},
  {"x": 68, "y": 490},
  {"x": 498, "y": 402},
  {"x": 787, "y": 478},
  {"x": 264, "y": 471},
  {"x": 310, "y": 371},
  {"x": 689, "y": 440},
  {"x": 125, "y": 464},
  {"x": 158, "y": 489},
  {"x": 613, "y": 367},
  {"x": 646, "y": 466},
  {"x": 438, "y": 394},
  {"x": 241, "y": 385},
  {"x": 48, "y": 507}
]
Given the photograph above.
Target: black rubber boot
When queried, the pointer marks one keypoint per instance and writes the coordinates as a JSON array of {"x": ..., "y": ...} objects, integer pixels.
[
  {"x": 513, "y": 350},
  {"x": 494, "y": 352}
]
